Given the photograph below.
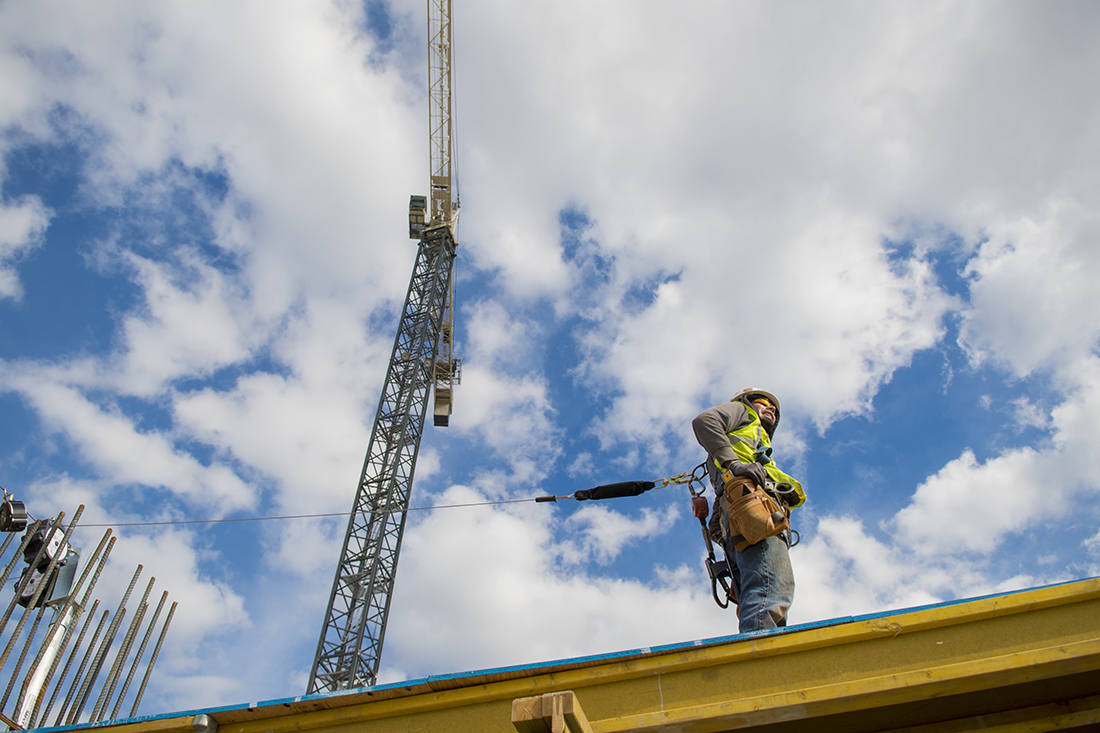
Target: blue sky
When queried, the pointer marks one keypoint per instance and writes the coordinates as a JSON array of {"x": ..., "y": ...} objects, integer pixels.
[{"x": 887, "y": 215}]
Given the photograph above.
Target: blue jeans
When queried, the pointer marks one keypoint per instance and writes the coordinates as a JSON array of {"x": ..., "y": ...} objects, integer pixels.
[
  {"x": 762, "y": 579},
  {"x": 764, "y": 583}
]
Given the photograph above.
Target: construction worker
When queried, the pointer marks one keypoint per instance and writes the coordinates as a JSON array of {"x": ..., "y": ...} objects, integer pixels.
[{"x": 737, "y": 437}]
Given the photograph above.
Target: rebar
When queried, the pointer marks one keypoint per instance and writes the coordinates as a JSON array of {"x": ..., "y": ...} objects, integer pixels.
[
  {"x": 97, "y": 664},
  {"x": 120, "y": 662},
  {"x": 77, "y": 609},
  {"x": 4, "y": 546},
  {"x": 18, "y": 553},
  {"x": 23, "y": 652},
  {"x": 22, "y": 582},
  {"x": 108, "y": 639},
  {"x": 152, "y": 660},
  {"x": 94, "y": 567},
  {"x": 120, "y": 659},
  {"x": 140, "y": 652},
  {"x": 68, "y": 664},
  {"x": 80, "y": 670},
  {"x": 45, "y": 582}
]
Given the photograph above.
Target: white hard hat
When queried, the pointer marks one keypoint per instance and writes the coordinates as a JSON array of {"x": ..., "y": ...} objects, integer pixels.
[{"x": 746, "y": 396}]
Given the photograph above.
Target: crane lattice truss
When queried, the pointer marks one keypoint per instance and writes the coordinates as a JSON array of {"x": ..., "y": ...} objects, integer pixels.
[
  {"x": 351, "y": 641},
  {"x": 444, "y": 208},
  {"x": 350, "y": 646}
]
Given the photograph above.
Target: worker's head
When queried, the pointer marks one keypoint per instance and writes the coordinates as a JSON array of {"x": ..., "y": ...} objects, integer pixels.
[{"x": 764, "y": 404}]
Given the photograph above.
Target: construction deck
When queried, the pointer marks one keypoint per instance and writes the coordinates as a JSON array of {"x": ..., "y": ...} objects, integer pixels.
[{"x": 1014, "y": 662}]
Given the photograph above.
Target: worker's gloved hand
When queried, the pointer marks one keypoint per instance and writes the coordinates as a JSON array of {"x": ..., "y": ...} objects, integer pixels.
[{"x": 753, "y": 470}]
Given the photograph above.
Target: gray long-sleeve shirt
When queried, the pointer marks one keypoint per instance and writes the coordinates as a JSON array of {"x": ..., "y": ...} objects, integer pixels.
[{"x": 712, "y": 428}]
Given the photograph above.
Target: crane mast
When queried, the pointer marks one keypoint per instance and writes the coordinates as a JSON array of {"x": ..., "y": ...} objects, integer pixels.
[{"x": 350, "y": 647}]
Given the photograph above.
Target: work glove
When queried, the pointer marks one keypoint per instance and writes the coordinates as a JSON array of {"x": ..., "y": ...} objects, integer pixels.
[{"x": 753, "y": 470}]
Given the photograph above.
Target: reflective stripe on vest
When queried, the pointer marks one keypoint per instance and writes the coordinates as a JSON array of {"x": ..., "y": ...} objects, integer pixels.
[{"x": 745, "y": 441}]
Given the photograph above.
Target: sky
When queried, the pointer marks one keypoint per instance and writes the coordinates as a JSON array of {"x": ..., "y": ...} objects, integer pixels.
[{"x": 887, "y": 214}]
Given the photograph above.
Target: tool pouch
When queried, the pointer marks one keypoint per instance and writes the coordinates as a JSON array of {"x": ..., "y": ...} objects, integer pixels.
[{"x": 753, "y": 515}]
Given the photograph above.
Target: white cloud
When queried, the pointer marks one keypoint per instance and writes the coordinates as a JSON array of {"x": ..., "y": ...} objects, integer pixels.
[
  {"x": 494, "y": 572},
  {"x": 845, "y": 571},
  {"x": 1028, "y": 415},
  {"x": 120, "y": 452},
  {"x": 22, "y": 227},
  {"x": 601, "y": 533},
  {"x": 1018, "y": 488},
  {"x": 582, "y": 466},
  {"x": 1031, "y": 291},
  {"x": 972, "y": 506},
  {"x": 186, "y": 328},
  {"x": 1092, "y": 544}
]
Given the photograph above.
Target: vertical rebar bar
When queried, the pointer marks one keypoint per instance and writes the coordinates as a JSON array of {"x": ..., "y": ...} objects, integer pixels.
[
  {"x": 108, "y": 639},
  {"x": 4, "y": 547},
  {"x": 120, "y": 658},
  {"x": 23, "y": 652},
  {"x": 152, "y": 660},
  {"x": 80, "y": 670},
  {"x": 70, "y": 628},
  {"x": 68, "y": 665},
  {"x": 95, "y": 667},
  {"x": 19, "y": 553},
  {"x": 94, "y": 566},
  {"x": 140, "y": 652}
]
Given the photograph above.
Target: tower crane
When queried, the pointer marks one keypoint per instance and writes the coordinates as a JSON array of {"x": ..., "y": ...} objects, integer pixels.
[{"x": 350, "y": 646}]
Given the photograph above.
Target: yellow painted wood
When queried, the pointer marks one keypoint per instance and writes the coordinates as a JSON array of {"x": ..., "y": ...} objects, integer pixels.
[
  {"x": 183, "y": 724},
  {"x": 871, "y": 692},
  {"x": 554, "y": 712},
  {"x": 1036, "y": 719},
  {"x": 569, "y": 674},
  {"x": 970, "y": 648},
  {"x": 750, "y": 667}
]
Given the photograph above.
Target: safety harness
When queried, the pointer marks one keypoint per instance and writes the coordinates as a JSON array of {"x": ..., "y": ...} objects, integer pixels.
[{"x": 754, "y": 512}]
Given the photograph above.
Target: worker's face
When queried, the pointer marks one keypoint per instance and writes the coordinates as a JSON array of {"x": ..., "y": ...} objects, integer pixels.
[{"x": 766, "y": 412}]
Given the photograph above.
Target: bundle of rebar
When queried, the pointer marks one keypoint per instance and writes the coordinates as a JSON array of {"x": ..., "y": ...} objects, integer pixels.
[{"x": 41, "y": 686}]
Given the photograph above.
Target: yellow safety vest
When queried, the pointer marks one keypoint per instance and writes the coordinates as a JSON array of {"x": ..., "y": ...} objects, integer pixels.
[{"x": 747, "y": 440}]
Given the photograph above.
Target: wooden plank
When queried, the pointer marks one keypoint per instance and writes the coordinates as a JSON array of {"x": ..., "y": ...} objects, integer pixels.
[{"x": 554, "y": 712}]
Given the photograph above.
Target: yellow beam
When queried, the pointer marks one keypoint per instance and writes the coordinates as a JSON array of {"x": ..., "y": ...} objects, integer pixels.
[
  {"x": 1045, "y": 641},
  {"x": 182, "y": 724},
  {"x": 862, "y": 694},
  {"x": 1035, "y": 719}
]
